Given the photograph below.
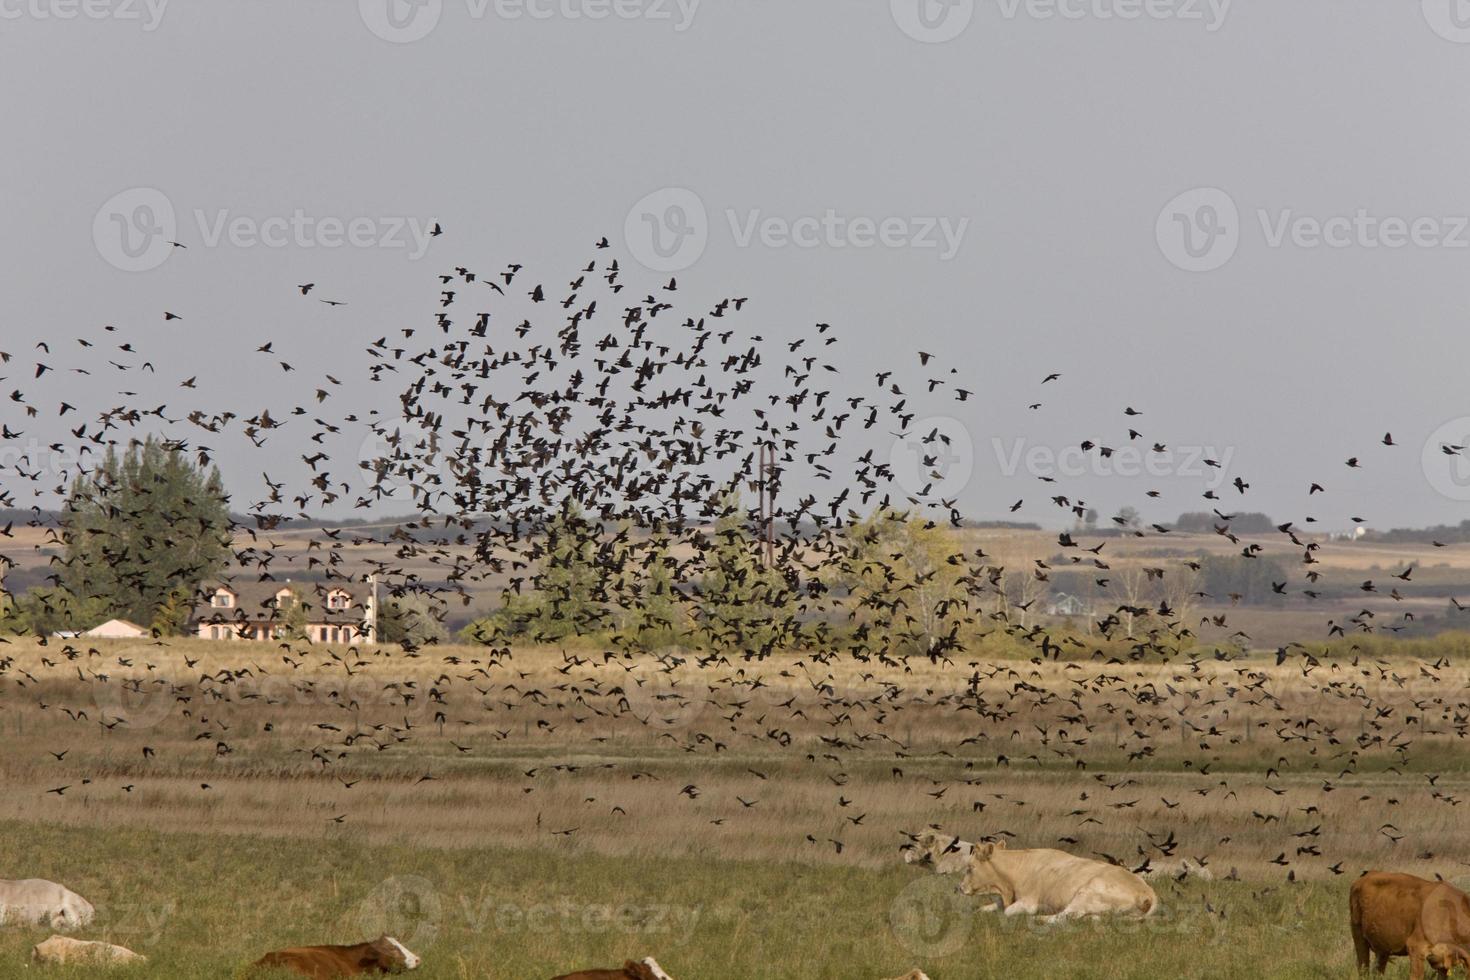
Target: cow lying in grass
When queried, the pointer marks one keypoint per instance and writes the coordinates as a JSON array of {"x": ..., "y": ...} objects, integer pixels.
[
  {"x": 645, "y": 969},
  {"x": 63, "y": 951},
  {"x": 37, "y": 902},
  {"x": 945, "y": 853},
  {"x": 1054, "y": 884},
  {"x": 383, "y": 955}
]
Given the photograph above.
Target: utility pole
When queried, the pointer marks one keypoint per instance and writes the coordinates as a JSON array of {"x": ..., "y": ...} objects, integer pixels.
[{"x": 766, "y": 487}]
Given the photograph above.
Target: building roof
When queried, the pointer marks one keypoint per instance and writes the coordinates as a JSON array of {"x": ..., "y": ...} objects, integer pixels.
[
  {"x": 255, "y": 601},
  {"x": 120, "y": 622}
]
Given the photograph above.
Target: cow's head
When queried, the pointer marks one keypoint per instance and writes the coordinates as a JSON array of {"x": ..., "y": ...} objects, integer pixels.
[
  {"x": 393, "y": 956},
  {"x": 645, "y": 969},
  {"x": 983, "y": 878},
  {"x": 1444, "y": 957},
  {"x": 942, "y": 852},
  {"x": 921, "y": 850}
]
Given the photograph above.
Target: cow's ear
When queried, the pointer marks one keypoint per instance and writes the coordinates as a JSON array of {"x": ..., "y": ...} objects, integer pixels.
[
  {"x": 1000, "y": 845},
  {"x": 983, "y": 851}
]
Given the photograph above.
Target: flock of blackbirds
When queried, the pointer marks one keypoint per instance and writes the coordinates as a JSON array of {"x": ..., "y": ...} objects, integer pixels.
[{"x": 590, "y": 446}]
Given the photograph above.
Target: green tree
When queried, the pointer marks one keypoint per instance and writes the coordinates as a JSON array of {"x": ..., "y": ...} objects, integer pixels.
[
  {"x": 742, "y": 604},
  {"x": 903, "y": 583},
  {"x": 293, "y": 618},
  {"x": 657, "y": 617},
  {"x": 142, "y": 529},
  {"x": 411, "y": 620}
]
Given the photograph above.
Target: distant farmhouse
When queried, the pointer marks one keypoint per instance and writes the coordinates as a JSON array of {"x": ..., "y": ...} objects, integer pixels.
[
  {"x": 1067, "y": 605},
  {"x": 331, "y": 612}
]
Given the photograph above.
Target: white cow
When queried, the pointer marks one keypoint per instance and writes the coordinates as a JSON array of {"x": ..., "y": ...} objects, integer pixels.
[
  {"x": 62, "y": 951},
  {"x": 36, "y": 902},
  {"x": 1179, "y": 870},
  {"x": 1054, "y": 884},
  {"x": 945, "y": 853}
]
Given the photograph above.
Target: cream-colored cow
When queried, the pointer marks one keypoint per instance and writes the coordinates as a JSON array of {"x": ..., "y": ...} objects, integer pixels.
[
  {"x": 64, "y": 951},
  {"x": 36, "y": 902},
  {"x": 945, "y": 853},
  {"x": 1054, "y": 884}
]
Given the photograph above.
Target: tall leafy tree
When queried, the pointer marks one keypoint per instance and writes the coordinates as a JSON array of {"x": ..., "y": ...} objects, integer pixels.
[
  {"x": 143, "y": 530},
  {"x": 903, "y": 583},
  {"x": 742, "y": 605}
]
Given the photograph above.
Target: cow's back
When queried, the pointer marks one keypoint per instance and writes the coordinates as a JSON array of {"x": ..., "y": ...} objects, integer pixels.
[
  {"x": 317, "y": 964},
  {"x": 1384, "y": 909},
  {"x": 1445, "y": 915},
  {"x": 37, "y": 901},
  {"x": 1053, "y": 878}
]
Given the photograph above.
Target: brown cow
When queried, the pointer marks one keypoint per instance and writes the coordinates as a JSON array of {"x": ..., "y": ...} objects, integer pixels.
[
  {"x": 383, "y": 955},
  {"x": 1401, "y": 915},
  {"x": 645, "y": 969}
]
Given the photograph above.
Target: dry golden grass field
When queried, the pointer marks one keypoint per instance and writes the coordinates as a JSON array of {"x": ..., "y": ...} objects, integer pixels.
[{"x": 520, "y": 813}]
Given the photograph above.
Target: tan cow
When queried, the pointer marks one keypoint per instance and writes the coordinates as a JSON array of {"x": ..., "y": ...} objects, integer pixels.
[
  {"x": 1054, "y": 884},
  {"x": 63, "y": 951},
  {"x": 1185, "y": 867},
  {"x": 945, "y": 853},
  {"x": 913, "y": 975},
  {"x": 1402, "y": 915},
  {"x": 37, "y": 902}
]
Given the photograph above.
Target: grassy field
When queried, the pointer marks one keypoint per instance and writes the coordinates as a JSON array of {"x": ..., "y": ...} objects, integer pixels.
[
  {"x": 522, "y": 813},
  {"x": 200, "y": 905}
]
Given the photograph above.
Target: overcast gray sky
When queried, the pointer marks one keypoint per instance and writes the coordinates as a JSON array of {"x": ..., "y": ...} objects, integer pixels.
[{"x": 1130, "y": 192}]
